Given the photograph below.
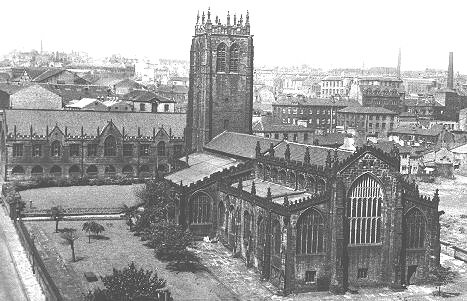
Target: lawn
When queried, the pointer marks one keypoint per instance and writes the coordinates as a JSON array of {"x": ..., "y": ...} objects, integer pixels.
[
  {"x": 453, "y": 201},
  {"x": 116, "y": 251},
  {"x": 81, "y": 196}
]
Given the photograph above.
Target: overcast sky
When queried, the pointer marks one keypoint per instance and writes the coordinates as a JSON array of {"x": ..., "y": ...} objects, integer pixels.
[{"x": 326, "y": 33}]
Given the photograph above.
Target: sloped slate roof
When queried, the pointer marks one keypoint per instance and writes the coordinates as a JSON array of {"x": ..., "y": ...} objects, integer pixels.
[
  {"x": 91, "y": 120},
  {"x": 239, "y": 145},
  {"x": 434, "y": 131},
  {"x": 315, "y": 102},
  {"x": 318, "y": 154},
  {"x": 49, "y": 73},
  {"x": 201, "y": 165},
  {"x": 70, "y": 92},
  {"x": 10, "y": 88},
  {"x": 367, "y": 110}
]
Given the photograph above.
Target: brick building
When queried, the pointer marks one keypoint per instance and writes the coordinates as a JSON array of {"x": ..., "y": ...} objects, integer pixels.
[
  {"x": 308, "y": 217},
  {"x": 220, "y": 96},
  {"x": 386, "y": 92},
  {"x": 423, "y": 107},
  {"x": 319, "y": 114},
  {"x": 50, "y": 143},
  {"x": 364, "y": 121}
]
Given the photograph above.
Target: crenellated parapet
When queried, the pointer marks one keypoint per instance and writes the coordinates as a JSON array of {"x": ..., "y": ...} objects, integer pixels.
[
  {"x": 306, "y": 202},
  {"x": 216, "y": 177},
  {"x": 411, "y": 192},
  {"x": 294, "y": 165},
  {"x": 205, "y": 25},
  {"x": 262, "y": 202}
]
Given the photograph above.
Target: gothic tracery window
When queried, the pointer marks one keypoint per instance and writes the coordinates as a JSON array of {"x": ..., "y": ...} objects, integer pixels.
[
  {"x": 110, "y": 146},
  {"x": 276, "y": 238},
  {"x": 310, "y": 233},
  {"x": 415, "y": 229},
  {"x": 364, "y": 211},
  {"x": 200, "y": 208}
]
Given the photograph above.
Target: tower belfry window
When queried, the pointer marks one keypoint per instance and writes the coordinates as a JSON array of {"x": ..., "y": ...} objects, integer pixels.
[
  {"x": 220, "y": 64},
  {"x": 234, "y": 58}
]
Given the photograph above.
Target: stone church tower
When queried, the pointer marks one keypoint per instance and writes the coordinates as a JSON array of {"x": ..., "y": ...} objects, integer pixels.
[{"x": 220, "y": 96}]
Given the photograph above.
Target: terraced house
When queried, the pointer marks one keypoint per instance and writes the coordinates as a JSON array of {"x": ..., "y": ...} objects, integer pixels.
[{"x": 62, "y": 144}]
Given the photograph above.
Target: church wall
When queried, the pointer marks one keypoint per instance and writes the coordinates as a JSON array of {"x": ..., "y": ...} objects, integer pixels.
[{"x": 377, "y": 258}]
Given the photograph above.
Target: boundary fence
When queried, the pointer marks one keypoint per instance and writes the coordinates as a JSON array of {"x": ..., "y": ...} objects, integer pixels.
[
  {"x": 454, "y": 251},
  {"x": 45, "y": 280}
]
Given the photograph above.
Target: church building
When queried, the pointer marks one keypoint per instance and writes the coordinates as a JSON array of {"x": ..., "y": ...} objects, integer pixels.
[{"x": 306, "y": 217}]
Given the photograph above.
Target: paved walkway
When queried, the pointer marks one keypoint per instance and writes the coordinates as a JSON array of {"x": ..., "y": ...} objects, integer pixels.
[
  {"x": 27, "y": 280},
  {"x": 246, "y": 283}
]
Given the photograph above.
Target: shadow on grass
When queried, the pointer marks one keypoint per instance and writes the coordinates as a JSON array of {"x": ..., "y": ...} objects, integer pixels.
[
  {"x": 445, "y": 294},
  {"x": 100, "y": 237},
  {"x": 80, "y": 258},
  {"x": 185, "y": 262}
]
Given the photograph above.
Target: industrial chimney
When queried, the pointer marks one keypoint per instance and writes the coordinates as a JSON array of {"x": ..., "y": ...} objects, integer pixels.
[
  {"x": 399, "y": 65},
  {"x": 450, "y": 72}
]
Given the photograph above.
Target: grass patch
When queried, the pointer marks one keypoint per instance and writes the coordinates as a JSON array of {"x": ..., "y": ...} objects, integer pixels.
[
  {"x": 120, "y": 249},
  {"x": 81, "y": 196}
]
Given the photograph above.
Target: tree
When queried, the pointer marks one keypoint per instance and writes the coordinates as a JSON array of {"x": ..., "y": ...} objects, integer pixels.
[
  {"x": 93, "y": 227},
  {"x": 69, "y": 236},
  {"x": 129, "y": 213},
  {"x": 440, "y": 276},
  {"x": 169, "y": 240},
  {"x": 159, "y": 200},
  {"x": 129, "y": 284},
  {"x": 57, "y": 214}
]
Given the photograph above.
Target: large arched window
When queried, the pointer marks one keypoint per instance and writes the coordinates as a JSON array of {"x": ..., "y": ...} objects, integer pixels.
[
  {"x": 221, "y": 216},
  {"x": 145, "y": 168},
  {"x": 276, "y": 238},
  {"x": 91, "y": 170},
  {"x": 310, "y": 233},
  {"x": 261, "y": 231},
  {"x": 364, "y": 211},
  {"x": 220, "y": 63},
  {"x": 246, "y": 225},
  {"x": 161, "y": 148},
  {"x": 56, "y": 170},
  {"x": 234, "y": 58},
  {"x": 127, "y": 169},
  {"x": 232, "y": 219},
  {"x": 17, "y": 170},
  {"x": 55, "y": 149},
  {"x": 109, "y": 169},
  {"x": 200, "y": 208},
  {"x": 110, "y": 146},
  {"x": 37, "y": 170},
  {"x": 74, "y": 169},
  {"x": 415, "y": 237}
]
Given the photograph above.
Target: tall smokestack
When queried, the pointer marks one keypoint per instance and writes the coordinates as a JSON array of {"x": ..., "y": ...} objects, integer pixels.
[
  {"x": 451, "y": 72},
  {"x": 399, "y": 64}
]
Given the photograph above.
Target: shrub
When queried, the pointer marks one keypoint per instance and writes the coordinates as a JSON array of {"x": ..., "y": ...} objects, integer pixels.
[{"x": 129, "y": 284}]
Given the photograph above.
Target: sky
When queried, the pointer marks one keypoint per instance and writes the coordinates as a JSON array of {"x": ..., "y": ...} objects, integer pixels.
[{"x": 324, "y": 34}]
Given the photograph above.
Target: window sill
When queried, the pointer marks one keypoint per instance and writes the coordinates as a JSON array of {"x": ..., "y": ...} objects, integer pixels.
[{"x": 365, "y": 245}]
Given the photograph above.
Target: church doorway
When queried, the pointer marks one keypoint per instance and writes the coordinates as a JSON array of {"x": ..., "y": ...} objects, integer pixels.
[{"x": 411, "y": 270}]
